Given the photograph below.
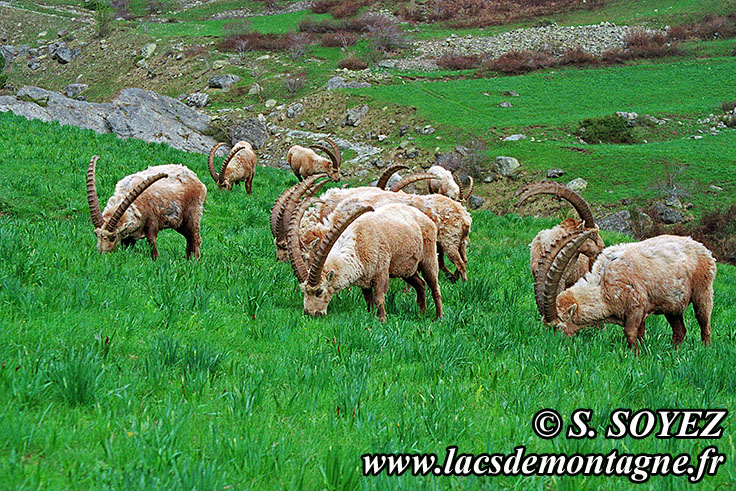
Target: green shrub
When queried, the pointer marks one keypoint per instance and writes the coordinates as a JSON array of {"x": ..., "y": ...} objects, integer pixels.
[{"x": 606, "y": 129}]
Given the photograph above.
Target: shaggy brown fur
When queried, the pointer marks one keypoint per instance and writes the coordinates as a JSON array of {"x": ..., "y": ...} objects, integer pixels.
[
  {"x": 305, "y": 162},
  {"x": 629, "y": 282},
  {"x": 394, "y": 241},
  {"x": 239, "y": 166},
  {"x": 175, "y": 201}
]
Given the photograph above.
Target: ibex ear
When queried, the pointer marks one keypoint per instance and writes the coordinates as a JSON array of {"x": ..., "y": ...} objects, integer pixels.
[
  {"x": 330, "y": 275},
  {"x": 568, "y": 315},
  {"x": 313, "y": 244}
]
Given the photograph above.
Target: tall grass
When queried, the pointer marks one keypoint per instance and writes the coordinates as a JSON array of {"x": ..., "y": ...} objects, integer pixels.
[{"x": 120, "y": 372}]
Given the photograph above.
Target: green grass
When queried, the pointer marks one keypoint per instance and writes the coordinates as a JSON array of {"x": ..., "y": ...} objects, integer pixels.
[{"x": 120, "y": 372}]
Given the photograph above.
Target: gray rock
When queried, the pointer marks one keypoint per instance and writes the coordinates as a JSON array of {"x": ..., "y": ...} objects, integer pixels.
[
  {"x": 73, "y": 90},
  {"x": 157, "y": 118},
  {"x": 36, "y": 103},
  {"x": 476, "y": 202},
  {"x": 505, "y": 104},
  {"x": 510, "y": 93},
  {"x": 462, "y": 150},
  {"x": 356, "y": 114},
  {"x": 578, "y": 184},
  {"x": 61, "y": 33},
  {"x": 450, "y": 161},
  {"x": 623, "y": 222},
  {"x": 249, "y": 108},
  {"x": 255, "y": 89},
  {"x": 427, "y": 130},
  {"x": 66, "y": 55},
  {"x": 197, "y": 99},
  {"x": 340, "y": 83},
  {"x": 514, "y": 138},
  {"x": 147, "y": 50},
  {"x": 667, "y": 214},
  {"x": 34, "y": 64},
  {"x": 403, "y": 130},
  {"x": 715, "y": 188},
  {"x": 251, "y": 130},
  {"x": 555, "y": 173},
  {"x": 411, "y": 153},
  {"x": 270, "y": 103},
  {"x": 8, "y": 52},
  {"x": 294, "y": 110},
  {"x": 673, "y": 202},
  {"x": 223, "y": 81},
  {"x": 505, "y": 166}
]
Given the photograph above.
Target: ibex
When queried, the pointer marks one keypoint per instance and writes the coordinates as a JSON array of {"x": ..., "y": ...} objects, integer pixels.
[
  {"x": 239, "y": 166},
  {"x": 305, "y": 162}
]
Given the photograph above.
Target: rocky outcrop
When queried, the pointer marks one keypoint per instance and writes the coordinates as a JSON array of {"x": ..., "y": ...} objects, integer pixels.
[
  {"x": 135, "y": 113},
  {"x": 253, "y": 130}
]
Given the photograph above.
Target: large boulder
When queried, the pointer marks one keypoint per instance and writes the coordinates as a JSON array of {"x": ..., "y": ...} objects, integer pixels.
[
  {"x": 451, "y": 161},
  {"x": 624, "y": 222},
  {"x": 36, "y": 103},
  {"x": 223, "y": 81},
  {"x": 8, "y": 52},
  {"x": 341, "y": 83},
  {"x": 73, "y": 90},
  {"x": 505, "y": 166},
  {"x": 197, "y": 99},
  {"x": 667, "y": 214},
  {"x": 251, "y": 130},
  {"x": 356, "y": 114}
]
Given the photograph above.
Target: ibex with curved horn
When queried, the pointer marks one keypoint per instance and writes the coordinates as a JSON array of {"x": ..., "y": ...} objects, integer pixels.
[
  {"x": 160, "y": 197},
  {"x": 386, "y": 175},
  {"x": 411, "y": 179},
  {"x": 306, "y": 162},
  {"x": 239, "y": 166},
  {"x": 543, "y": 244},
  {"x": 392, "y": 241},
  {"x": 628, "y": 283}
]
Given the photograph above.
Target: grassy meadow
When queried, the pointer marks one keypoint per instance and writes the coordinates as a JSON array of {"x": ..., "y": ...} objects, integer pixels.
[{"x": 119, "y": 372}]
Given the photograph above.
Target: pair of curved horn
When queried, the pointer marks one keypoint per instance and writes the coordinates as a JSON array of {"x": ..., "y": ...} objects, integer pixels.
[
  {"x": 386, "y": 175},
  {"x": 412, "y": 179},
  {"x": 283, "y": 215},
  {"x": 325, "y": 246},
  {"x": 554, "y": 263},
  {"x": 463, "y": 194},
  {"x": 94, "y": 204},
  {"x": 211, "y": 162},
  {"x": 292, "y": 230},
  {"x": 553, "y": 188},
  {"x": 333, "y": 153}
]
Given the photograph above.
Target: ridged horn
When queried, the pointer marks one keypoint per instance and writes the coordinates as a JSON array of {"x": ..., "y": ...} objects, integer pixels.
[
  {"x": 386, "y": 175},
  {"x": 277, "y": 207},
  {"x": 233, "y": 152},
  {"x": 284, "y": 215},
  {"x": 325, "y": 246},
  {"x": 142, "y": 186},
  {"x": 336, "y": 152},
  {"x": 469, "y": 191},
  {"x": 412, "y": 179},
  {"x": 556, "y": 189},
  {"x": 543, "y": 265},
  {"x": 334, "y": 158},
  {"x": 293, "y": 239},
  {"x": 557, "y": 269},
  {"x": 211, "y": 162},
  {"x": 459, "y": 183},
  {"x": 94, "y": 203}
]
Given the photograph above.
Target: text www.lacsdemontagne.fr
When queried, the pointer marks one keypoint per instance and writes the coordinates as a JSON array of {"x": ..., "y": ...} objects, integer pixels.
[{"x": 637, "y": 467}]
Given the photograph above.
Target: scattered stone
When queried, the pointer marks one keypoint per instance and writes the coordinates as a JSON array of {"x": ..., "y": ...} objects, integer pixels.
[
  {"x": 427, "y": 130},
  {"x": 510, "y": 93},
  {"x": 462, "y": 150},
  {"x": 356, "y": 114},
  {"x": 249, "y": 108},
  {"x": 673, "y": 202},
  {"x": 73, "y": 90},
  {"x": 43, "y": 34},
  {"x": 197, "y": 99},
  {"x": 219, "y": 64},
  {"x": 382, "y": 137},
  {"x": 505, "y": 104},
  {"x": 623, "y": 222},
  {"x": 411, "y": 153},
  {"x": 450, "y": 161},
  {"x": 34, "y": 64},
  {"x": 63, "y": 54},
  {"x": 294, "y": 110},
  {"x": 341, "y": 83},
  {"x": 403, "y": 130},
  {"x": 147, "y": 50},
  {"x": 476, "y": 202},
  {"x": 253, "y": 130},
  {"x": 555, "y": 173},
  {"x": 223, "y": 81},
  {"x": 667, "y": 214},
  {"x": 578, "y": 184},
  {"x": 255, "y": 89},
  {"x": 61, "y": 33},
  {"x": 8, "y": 52},
  {"x": 270, "y": 103},
  {"x": 514, "y": 138},
  {"x": 716, "y": 188},
  {"x": 505, "y": 166}
]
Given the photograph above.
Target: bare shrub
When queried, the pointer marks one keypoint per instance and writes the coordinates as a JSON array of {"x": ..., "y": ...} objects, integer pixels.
[
  {"x": 155, "y": 6},
  {"x": 309, "y": 24},
  {"x": 339, "y": 39},
  {"x": 298, "y": 45},
  {"x": 728, "y": 106},
  {"x": 578, "y": 57},
  {"x": 642, "y": 44},
  {"x": 257, "y": 41},
  {"x": 195, "y": 50},
  {"x": 455, "y": 61},
  {"x": 323, "y": 6},
  {"x": 710, "y": 27},
  {"x": 352, "y": 62},
  {"x": 386, "y": 35},
  {"x": 121, "y": 9},
  {"x": 517, "y": 62},
  {"x": 294, "y": 83},
  {"x": 237, "y": 27}
]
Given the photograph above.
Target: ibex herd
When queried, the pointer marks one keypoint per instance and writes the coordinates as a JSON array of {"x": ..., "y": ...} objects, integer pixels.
[{"x": 365, "y": 235}]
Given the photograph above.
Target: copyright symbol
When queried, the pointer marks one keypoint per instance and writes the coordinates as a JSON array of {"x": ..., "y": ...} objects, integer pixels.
[{"x": 547, "y": 423}]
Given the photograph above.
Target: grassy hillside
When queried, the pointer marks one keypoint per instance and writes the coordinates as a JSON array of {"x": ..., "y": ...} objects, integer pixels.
[{"x": 121, "y": 372}]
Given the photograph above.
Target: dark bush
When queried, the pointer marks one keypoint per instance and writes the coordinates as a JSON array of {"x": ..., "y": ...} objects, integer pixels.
[
  {"x": 352, "y": 62},
  {"x": 293, "y": 83},
  {"x": 323, "y": 6},
  {"x": 348, "y": 8},
  {"x": 606, "y": 129},
  {"x": 258, "y": 41},
  {"x": 339, "y": 39},
  {"x": 454, "y": 61},
  {"x": 517, "y": 62},
  {"x": 385, "y": 34},
  {"x": 309, "y": 24},
  {"x": 195, "y": 50},
  {"x": 728, "y": 106},
  {"x": 715, "y": 27},
  {"x": 237, "y": 27},
  {"x": 578, "y": 57},
  {"x": 642, "y": 44}
]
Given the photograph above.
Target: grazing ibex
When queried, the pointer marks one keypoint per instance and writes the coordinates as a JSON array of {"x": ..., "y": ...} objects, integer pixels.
[
  {"x": 160, "y": 197},
  {"x": 365, "y": 248},
  {"x": 547, "y": 240},
  {"x": 629, "y": 282},
  {"x": 386, "y": 175},
  {"x": 239, "y": 166},
  {"x": 305, "y": 162}
]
